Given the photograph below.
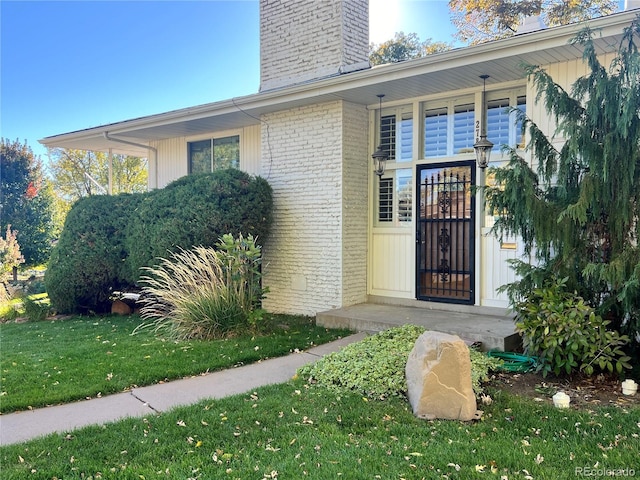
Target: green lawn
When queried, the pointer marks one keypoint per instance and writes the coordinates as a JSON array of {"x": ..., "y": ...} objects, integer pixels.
[
  {"x": 51, "y": 362},
  {"x": 293, "y": 431}
]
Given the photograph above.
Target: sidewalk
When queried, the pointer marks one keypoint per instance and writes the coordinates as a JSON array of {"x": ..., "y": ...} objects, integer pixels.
[{"x": 22, "y": 426}]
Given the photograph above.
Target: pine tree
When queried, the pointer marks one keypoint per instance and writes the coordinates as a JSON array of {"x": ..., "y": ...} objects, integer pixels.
[{"x": 578, "y": 212}]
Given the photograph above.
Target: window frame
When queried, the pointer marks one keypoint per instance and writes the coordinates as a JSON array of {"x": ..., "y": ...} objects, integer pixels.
[
  {"x": 450, "y": 107},
  {"x": 516, "y": 138},
  {"x": 212, "y": 137},
  {"x": 395, "y": 215}
]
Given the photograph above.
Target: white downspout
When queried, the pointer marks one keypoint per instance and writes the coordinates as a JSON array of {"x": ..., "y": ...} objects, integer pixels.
[
  {"x": 148, "y": 147},
  {"x": 110, "y": 172}
]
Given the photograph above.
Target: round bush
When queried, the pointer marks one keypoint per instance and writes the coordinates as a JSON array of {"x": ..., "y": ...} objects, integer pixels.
[
  {"x": 86, "y": 264},
  {"x": 107, "y": 239},
  {"x": 197, "y": 210}
]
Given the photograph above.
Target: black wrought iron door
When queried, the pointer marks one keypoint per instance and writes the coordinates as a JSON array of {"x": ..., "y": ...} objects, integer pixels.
[{"x": 445, "y": 233}]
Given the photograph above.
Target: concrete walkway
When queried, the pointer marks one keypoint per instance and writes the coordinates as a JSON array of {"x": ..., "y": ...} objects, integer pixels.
[{"x": 22, "y": 426}]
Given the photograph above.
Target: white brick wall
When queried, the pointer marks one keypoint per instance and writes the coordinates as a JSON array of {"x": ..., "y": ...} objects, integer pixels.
[
  {"x": 301, "y": 40},
  {"x": 355, "y": 168},
  {"x": 308, "y": 263}
]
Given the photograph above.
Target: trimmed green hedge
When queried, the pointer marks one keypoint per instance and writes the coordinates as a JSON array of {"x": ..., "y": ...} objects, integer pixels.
[{"x": 107, "y": 239}]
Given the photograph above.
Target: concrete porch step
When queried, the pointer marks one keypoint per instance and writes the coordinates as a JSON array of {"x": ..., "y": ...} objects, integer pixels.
[{"x": 493, "y": 328}]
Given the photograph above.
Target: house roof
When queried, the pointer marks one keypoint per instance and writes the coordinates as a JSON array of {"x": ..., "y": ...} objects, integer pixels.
[{"x": 452, "y": 70}]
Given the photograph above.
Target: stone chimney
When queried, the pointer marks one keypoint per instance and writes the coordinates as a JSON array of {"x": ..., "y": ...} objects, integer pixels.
[
  {"x": 530, "y": 24},
  {"x": 303, "y": 40},
  {"x": 631, "y": 4}
]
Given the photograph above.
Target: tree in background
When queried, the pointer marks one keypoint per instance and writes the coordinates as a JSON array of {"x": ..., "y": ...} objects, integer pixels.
[
  {"x": 404, "y": 47},
  {"x": 69, "y": 170},
  {"x": 578, "y": 211},
  {"x": 10, "y": 256},
  {"x": 74, "y": 172},
  {"x": 480, "y": 21},
  {"x": 26, "y": 201}
]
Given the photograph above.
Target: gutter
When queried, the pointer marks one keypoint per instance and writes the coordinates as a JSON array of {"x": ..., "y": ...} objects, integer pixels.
[{"x": 141, "y": 145}]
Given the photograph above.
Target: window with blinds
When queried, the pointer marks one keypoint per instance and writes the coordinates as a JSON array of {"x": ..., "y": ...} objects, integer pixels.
[
  {"x": 449, "y": 130},
  {"x": 498, "y": 122},
  {"x": 405, "y": 142},
  {"x": 503, "y": 128},
  {"x": 388, "y": 135},
  {"x": 385, "y": 200},
  {"x": 404, "y": 194},
  {"x": 395, "y": 193},
  {"x": 396, "y": 137},
  {"x": 521, "y": 104},
  {"x": 395, "y": 202},
  {"x": 463, "y": 128},
  {"x": 435, "y": 132}
]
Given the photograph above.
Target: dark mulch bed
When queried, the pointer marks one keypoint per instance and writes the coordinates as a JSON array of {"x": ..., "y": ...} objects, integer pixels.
[{"x": 585, "y": 392}]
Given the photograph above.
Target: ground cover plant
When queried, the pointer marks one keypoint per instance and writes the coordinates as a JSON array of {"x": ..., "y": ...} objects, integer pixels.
[
  {"x": 53, "y": 362},
  {"x": 375, "y": 366},
  {"x": 294, "y": 431}
]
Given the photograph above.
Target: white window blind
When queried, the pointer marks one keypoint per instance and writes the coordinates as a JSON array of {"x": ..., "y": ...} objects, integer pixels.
[
  {"x": 388, "y": 135},
  {"x": 385, "y": 200},
  {"x": 435, "y": 132},
  {"x": 405, "y": 150},
  {"x": 522, "y": 106},
  {"x": 498, "y": 122},
  {"x": 463, "y": 128},
  {"x": 404, "y": 190}
]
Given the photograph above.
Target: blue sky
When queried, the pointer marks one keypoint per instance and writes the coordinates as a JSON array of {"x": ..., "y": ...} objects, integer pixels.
[{"x": 71, "y": 65}]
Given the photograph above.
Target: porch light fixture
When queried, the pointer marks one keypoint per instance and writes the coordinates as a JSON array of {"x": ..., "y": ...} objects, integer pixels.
[
  {"x": 483, "y": 146},
  {"x": 380, "y": 156}
]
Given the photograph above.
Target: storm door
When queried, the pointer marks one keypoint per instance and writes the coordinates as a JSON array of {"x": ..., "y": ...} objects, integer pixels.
[{"x": 445, "y": 236}]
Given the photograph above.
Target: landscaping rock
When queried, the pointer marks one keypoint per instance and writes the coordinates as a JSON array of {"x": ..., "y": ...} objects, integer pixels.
[
  {"x": 120, "y": 308},
  {"x": 438, "y": 374}
]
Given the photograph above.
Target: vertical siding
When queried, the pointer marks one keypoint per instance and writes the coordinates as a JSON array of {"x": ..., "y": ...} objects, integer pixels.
[
  {"x": 495, "y": 269},
  {"x": 172, "y": 160},
  {"x": 172, "y": 155},
  {"x": 392, "y": 263},
  {"x": 250, "y": 150},
  {"x": 355, "y": 203},
  {"x": 303, "y": 163}
]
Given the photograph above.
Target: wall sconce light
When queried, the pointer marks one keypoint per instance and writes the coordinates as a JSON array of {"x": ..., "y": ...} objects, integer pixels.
[
  {"x": 483, "y": 146},
  {"x": 380, "y": 156}
]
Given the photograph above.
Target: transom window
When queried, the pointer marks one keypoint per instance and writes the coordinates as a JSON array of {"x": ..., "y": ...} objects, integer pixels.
[
  {"x": 448, "y": 133},
  {"x": 397, "y": 136},
  {"x": 205, "y": 156},
  {"x": 449, "y": 128},
  {"x": 502, "y": 126}
]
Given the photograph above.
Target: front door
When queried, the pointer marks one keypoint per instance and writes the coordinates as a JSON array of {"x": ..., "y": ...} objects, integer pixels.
[{"x": 445, "y": 235}]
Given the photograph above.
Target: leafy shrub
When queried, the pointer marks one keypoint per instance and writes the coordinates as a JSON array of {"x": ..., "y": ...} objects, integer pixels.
[
  {"x": 196, "y": 210},
  {"x": 107, "y": 239},
  {"x": 560, "y": 328},
  {"x": 86, "y": 264},
  {"x": 35, "y": 310},
  {"x": 204, "y": 293},
  {"x": 375, "y": 366}
]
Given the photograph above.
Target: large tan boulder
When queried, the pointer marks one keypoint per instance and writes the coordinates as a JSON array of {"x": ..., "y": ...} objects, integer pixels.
[{"x": 439, "y": 378}]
